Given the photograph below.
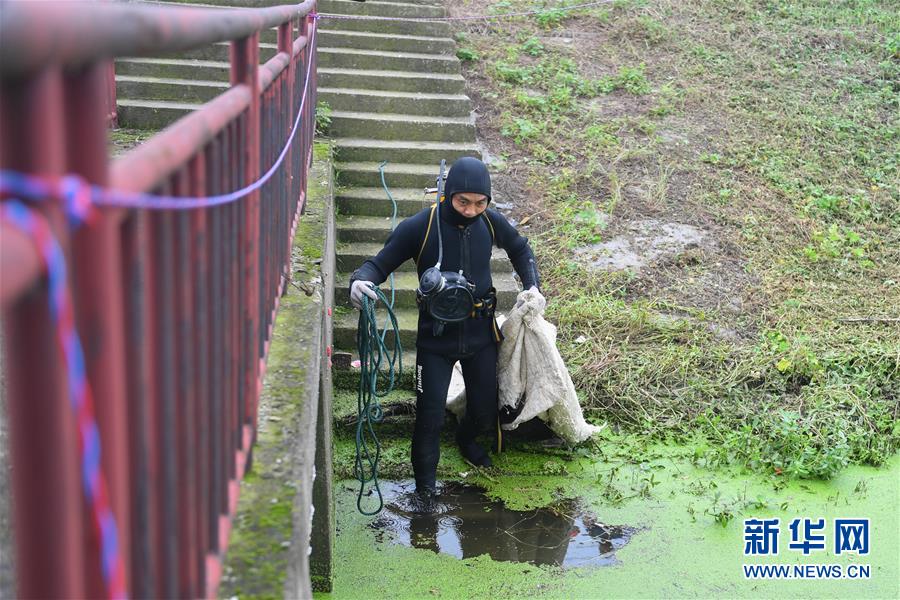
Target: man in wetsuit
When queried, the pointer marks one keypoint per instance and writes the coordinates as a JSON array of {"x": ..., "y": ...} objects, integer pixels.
[{"x": 469, "y": 230}]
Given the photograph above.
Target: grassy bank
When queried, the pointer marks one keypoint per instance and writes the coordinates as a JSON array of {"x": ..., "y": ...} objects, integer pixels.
[{"x": 770, "y": 132}]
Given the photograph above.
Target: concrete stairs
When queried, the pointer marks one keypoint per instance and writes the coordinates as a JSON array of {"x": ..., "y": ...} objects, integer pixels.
[
  {"x": 396, "y": 94},
  {"x": 153, "y": 92}
]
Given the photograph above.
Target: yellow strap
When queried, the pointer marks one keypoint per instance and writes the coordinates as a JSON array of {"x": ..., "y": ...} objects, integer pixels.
[
  {"x": 499, "y": 436},
  {"x": 490, "y": 226},
  {"x": 427, "y": 231}
]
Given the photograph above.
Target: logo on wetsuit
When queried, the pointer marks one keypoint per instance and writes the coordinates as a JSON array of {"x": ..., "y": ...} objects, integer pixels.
[{"x": 419, "y": 379}]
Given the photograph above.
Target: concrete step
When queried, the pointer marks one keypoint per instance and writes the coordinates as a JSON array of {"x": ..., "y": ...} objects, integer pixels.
[
  {"x": 348, "y": 58},
  {"x": 155, "y": 88},
  {"x": 363, "y": 150},
  {"x": 373, "y": 201},
  {"x": 403, "y": 10},
  {"x": 396, "y": 175},
  {"x": 348, "y": 378},
  {"x": 423, "y": 2},
  {"x": 151, "y": 114},
  {"x": 205, "y": 3},
  {"x": 406, "y": 282},
  {"x": 363, "y": 229},
  {"x": 174, "y": 68},
  {"x": 346, "y": 324},
  {"x": 221, "y": 52},
  {"x": 197, "y": 4},
  {"x": 350, "y": 255},
  {"x": 402, "y": 127},
  {"x": 391, "y": 42},
  {"x": 413, "y": 27},
  {"x": 397, "y": 81},
  {"x": 408, "y": 103}
]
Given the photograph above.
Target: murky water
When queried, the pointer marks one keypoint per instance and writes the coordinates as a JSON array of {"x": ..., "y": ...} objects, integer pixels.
[{"x": 463, "y": 522}]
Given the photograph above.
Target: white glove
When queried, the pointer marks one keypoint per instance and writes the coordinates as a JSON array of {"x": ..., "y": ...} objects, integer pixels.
[
  {"x": 533, "y": 297},
  {"x": 358, "y": 289}
]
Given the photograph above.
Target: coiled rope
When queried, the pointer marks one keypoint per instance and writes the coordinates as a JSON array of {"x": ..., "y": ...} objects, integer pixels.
[{"x": 374, "y": 364}]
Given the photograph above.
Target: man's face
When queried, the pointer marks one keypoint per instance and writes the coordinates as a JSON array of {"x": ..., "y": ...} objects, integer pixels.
[{"x": 469, "y": 204}]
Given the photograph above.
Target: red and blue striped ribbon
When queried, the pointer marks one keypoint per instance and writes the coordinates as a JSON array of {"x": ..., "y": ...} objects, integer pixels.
[
  {"x": 80, "y": 195},
  {"x": 93, "y": 479}
]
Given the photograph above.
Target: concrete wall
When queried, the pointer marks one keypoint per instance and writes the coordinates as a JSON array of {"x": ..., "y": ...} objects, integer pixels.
[{"x": 269, "y": 549}]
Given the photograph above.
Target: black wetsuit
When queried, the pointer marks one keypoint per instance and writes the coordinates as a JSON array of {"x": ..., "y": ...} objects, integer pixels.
[{"x": 467, "y": 245}]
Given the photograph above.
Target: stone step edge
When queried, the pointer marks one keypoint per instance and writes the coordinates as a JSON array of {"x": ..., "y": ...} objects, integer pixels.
[
  {"x": 399, "y": 117},
  {"x": 387, "y": 74},
  {"x": 176, "y": 61},
  {"x": 158, "y": 104},
  {"x": 388, "y": 54},
  {"x": 409, "y": 281},
  {"x": 375, "y": 34},
  {"x": 392, "y": 94},
  {"x": 372, "y": 248},
  {"x": 366, "y": 193},
  {"x": 409, "y": 168},
  {"x": 171, "y": 80},
  {"x": 346, "y": 142}
]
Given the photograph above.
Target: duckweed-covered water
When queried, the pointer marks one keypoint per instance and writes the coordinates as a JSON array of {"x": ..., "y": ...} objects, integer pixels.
[{"x": 687, "y": 539}]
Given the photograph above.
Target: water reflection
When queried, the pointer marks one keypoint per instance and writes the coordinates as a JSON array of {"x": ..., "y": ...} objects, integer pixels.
[{"x": 464, "y": 523}]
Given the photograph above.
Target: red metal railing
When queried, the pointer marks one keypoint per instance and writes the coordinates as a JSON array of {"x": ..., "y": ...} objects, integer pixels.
[
  {"x": 174, "y": 308},
  {"x": 112, "y": 114}
]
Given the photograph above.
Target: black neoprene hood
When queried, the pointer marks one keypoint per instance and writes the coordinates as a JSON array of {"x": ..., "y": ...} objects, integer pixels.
[{"x": 468, "y": 175}]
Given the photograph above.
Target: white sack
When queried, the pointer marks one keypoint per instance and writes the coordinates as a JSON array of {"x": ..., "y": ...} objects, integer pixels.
[
  {"x": 529, "y": 364},
  {"x": 456, "y": 393}
]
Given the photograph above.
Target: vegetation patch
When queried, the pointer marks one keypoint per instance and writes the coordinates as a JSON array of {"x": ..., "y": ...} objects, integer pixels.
[
  {"x": 122, "y": 139},
  {"x": 323, "y": 117},
  {"x": 770, "y": 128}
]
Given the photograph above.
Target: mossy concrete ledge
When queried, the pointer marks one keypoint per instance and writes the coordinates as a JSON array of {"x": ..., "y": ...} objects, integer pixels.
[{"x": 286, "y": 507}]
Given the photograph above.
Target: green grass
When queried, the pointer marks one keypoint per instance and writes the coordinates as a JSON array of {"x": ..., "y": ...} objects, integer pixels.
[
  {"x": 121, "y": 140},
  {"x": 789, "y": 117},
  {"x": 323, "y": 117}
]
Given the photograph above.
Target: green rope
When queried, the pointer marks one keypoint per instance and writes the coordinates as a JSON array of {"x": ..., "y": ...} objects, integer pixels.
[
  {"x": 374, "y": 364},
  {"x": 393, "y": 220}
]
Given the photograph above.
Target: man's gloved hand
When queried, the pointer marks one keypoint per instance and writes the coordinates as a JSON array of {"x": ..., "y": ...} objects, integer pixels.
[
  {"x": 533, "y": 297},
  {"x": 358, "y": 289}
]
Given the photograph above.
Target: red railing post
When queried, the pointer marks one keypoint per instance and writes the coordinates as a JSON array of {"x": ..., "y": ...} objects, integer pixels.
[
  {"x": 200, "y": 435},
  {"x": 245, "y": 71},
  {"x": 137, "y": 271},
  {"x": 47, "y": 499},
  {"x": 112, "y": 115},
  {"x": 96, "y": 256},
  {"x": 286, "y": 44}
]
